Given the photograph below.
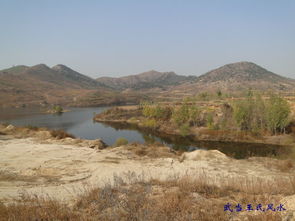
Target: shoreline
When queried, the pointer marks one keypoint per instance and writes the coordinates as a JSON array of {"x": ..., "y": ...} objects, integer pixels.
[
  {"x": 205, "y": 134},
  {"x": 65, "y": 170}
]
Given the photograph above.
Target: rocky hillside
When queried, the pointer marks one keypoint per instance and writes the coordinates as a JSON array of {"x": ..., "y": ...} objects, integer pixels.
[
  {"x": 42, "y": 85},
  {"x": 150, "y": 79},
  {"x": 235, "y": 77},
  {"x": 241, "y": 72},
  {"x": 69, "y": 75}
]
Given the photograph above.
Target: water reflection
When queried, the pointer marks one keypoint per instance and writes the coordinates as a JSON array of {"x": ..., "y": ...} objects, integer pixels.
[
  {"x": 79, "y": 122},
  {"x": 233, "y": 149}
]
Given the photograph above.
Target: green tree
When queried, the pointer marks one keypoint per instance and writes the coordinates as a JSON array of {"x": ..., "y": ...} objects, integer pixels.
[
  {"x": 219, "y": 94},
  {"x": 210, "y": 120},
  {"x": 277, "y": 113},
  {"x": 194, "y": 114},
  {"x": 57, "y": 109},
  {"x": 181, "y": 115}
]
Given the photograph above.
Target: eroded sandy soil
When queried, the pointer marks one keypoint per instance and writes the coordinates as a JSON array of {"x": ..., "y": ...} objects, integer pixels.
[{"x": 63, "y": 170}]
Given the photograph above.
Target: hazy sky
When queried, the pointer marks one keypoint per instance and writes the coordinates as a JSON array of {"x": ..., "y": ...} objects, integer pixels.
[{"x": 116, "y": 38}]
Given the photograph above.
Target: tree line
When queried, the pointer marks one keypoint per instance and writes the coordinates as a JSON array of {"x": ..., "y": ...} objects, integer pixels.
[{"x": 251, "y": 113}]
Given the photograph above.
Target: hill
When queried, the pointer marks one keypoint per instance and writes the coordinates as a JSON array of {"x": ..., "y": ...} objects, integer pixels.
[
  {"x": 235, "y": 77},
  {"x": 150, "y": 79},
  {"x": 241, "y": 72},
  {"x": 42, "y": 85}
]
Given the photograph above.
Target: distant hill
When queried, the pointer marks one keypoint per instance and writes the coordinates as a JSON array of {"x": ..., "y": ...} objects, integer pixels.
[
  {"x": 40, "y": 84},
  {"x": 241, "y": 72},
  {"x": 150, "y": 79},
  {"x": 235, "y": 77},
  {"x": 66, "y": 74}
]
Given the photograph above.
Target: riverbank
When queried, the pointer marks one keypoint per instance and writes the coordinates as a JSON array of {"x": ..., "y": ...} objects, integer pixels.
[
  {"x": 132, "y": 116},
  {"x": 70, "y": 179}
]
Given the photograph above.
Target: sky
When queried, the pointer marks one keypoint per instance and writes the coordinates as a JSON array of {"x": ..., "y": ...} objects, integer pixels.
[{"x": 117, "y": 38}]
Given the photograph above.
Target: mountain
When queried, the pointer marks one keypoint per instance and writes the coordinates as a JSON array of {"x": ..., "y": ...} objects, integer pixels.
[
  {"x": 69, "y": 75},
  {"x": 150, "y": 79},
  {"x": 233, "y": 78},
  {"x": 241, "y": 72},
  {"x": 40, "y": 84}
]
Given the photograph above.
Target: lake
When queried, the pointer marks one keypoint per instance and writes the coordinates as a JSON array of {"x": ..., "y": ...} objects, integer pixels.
[{"x": 78, "y": 121}]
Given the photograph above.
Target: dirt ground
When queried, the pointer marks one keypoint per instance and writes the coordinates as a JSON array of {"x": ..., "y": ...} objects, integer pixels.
[{"x": 60, "y": 170}]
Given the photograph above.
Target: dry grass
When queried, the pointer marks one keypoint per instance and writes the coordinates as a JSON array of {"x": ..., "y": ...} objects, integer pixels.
[
  {"x": 133, "y": 198},
  {"x": 152, "y": 150},
  {"x": 60, "y": 134},
  {"x": 8, "y": 176},
  {"x": 285, "y": 165}
]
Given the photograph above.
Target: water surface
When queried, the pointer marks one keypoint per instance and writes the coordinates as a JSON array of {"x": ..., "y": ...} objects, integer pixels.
[{"x": 78, "y": 121}]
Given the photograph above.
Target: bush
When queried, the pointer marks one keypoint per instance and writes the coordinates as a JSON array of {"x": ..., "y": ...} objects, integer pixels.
[
  {"x": 277, "y": 114},
  {"x": 32, "y": 127},
  {"x": 184, "y": 129},
  {"x": 57, "y": 109},
  {"x": 120, "y": 142},
  {"x": 181, "y": 115},
  {"x": 60, "y": 134},
  {"x": 151, "y": 123},
  {"x": 255, "y": 114},
  {"x": 210, "y": 120},
  {"x": 156, "y": 111}
]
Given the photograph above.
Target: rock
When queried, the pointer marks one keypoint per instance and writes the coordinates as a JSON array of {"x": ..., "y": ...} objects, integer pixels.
[
  {"x": 10, "y": 127},
  {"x": 97, "y": 144},
  {"x": 203, "y": 155}
]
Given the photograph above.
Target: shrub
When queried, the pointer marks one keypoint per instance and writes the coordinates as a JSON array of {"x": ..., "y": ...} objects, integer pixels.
[
  {"x": 156, "y": 111},
  {"x": 31, "y": 127},
  {"x": 255, "y": 114},
  {"x": 60, "y": 134},
  {"x": 277, "y": 114},
  {"x": 57, "y": 109},
  {"x": 210, "y": 120},
  {"x": 151, "y": 123},
  {"x": 121, "y": 141},
  {"x": 184, "y": 129},
  {"x": 181, "y": 115}
]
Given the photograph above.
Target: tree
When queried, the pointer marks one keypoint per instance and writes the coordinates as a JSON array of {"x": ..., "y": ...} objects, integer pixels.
[
  {"x": 57, "y": 109},
  {"x": 194, "y": 114},
  {"x": 219, "y": 94},
  {"x": 277, "y": 113},
  {"x": 181, "y": 115}
]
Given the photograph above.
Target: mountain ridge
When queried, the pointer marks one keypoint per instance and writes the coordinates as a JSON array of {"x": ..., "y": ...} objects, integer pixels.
[
  {"x": 60, "y": 84},
  {"x": 147, "y": 79}
]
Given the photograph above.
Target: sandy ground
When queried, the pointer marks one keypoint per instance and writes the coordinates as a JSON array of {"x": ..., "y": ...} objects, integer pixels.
[{"x": 63, "y": 171}]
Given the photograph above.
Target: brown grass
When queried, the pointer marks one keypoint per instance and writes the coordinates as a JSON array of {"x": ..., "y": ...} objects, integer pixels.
[
  {"x": 8, "y": 176},
  {"x": 60, "y": 134},
  {"x": 286, "y": 165},
  {"x": 152, "y": 150},
  {"x": 133, "y": 198}
]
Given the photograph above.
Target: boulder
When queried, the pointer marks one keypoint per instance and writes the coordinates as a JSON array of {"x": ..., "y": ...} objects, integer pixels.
[
  {"x": 97, "y": 144},
  {"x": 10, "y": 127},
  {"x": 203, "y": 155}
]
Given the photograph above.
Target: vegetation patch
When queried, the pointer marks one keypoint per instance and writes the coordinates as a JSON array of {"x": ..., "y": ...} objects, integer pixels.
[
  {"x": 131, "y": 197},
  {"x": 60, "y": 134},
  {"x": 121, "y": 141}
]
